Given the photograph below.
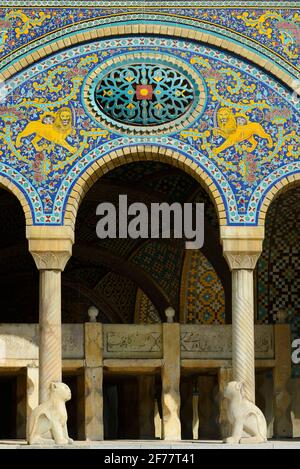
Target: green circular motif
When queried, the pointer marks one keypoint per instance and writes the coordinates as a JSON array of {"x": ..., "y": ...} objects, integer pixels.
[{"x": 143, "y": 95}]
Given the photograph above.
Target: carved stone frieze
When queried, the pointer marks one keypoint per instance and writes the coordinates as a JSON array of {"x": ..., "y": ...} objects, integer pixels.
[
  {"x": 132, "y": 341},
  {"x": 20, "y": 341},
  {"x": 200, "y": 341}
]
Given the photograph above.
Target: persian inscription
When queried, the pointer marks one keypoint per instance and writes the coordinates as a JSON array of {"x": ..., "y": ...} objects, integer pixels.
[
  {"x": 133, "y": 341},
  {"x": 199, "y": 341}
]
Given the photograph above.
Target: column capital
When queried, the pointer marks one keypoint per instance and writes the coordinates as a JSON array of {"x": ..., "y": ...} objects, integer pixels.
[
  {"x": 241, "y": 260},
  {"x": 50, "y": 246},
  {"x": 242, "y": 245}
]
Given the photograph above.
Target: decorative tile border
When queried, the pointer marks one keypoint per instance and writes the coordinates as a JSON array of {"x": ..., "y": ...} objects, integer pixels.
[
  {"x": 266, "y": 185},
  {"x": 164, "y": 143},
  {"x": 227, "y": 25},
  {"x": 190, "y": 141},
  {"x": 137, "y": 3}
]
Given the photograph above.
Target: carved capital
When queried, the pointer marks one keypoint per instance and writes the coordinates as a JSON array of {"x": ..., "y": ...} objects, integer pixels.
[
  {"x": 241, "y": 260},
  {"x": 49, "y": 260},
  {"x": 242, "y": 245},
  {"x": 50, "y": 246}
]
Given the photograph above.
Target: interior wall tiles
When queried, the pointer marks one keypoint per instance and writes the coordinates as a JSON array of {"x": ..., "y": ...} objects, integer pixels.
[
  {"x": 145, "y": 311},
  {"x": 278, "y": 269},
  {"x": 241, "y": 128},
  {"x": 202, "y": 296},
  {"x": 120, "y": 292},
  {"x": 162, "y": 260},
  {"x": 273, "y": 30}
]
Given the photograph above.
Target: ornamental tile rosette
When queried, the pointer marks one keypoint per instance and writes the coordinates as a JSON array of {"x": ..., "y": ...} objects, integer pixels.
[{"x": 141, "y": 94}]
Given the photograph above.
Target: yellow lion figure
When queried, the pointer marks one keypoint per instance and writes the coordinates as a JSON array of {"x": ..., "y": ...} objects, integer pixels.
[
  {"x": 236, "y": 130},
  {"x": 52, "y": 127}
]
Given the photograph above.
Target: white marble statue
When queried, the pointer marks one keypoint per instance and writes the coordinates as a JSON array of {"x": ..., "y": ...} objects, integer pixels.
[
  {"x": 48, "y": 422},
  {"x": 247, "y": 420}
]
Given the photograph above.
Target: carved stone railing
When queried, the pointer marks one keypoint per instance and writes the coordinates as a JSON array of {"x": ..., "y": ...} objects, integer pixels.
[
  {"x": 20, "y": 341},
  {"x": 214, "y": 342},
  {"x": 132, "y": 341}
]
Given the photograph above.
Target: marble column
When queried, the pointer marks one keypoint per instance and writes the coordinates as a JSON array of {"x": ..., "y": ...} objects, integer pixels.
[
  {"x": 243, "y": 359},
  {"x": 51, "y": 249},
  {"x": 242, "y": 247},
  {"x": 50, "y": 358},
  {"x": 170, "y": 374},
  {"x": 93, "y": 374}
]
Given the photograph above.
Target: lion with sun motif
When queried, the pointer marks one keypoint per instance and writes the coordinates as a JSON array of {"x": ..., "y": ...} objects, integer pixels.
[
  {"x": 237, "y": 129},
  {"x": 54, "y": 127}
]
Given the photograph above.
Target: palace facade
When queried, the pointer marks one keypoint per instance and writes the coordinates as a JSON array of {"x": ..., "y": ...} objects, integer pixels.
[{"x": 174, "y": 101}]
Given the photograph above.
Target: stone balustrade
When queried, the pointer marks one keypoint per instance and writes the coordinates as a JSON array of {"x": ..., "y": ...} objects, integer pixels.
[
  {"x": 121, "y": 341},
  {"x": 168, "y": 349}
]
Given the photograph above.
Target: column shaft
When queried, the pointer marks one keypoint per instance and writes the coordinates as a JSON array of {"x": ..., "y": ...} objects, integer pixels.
[
  {"x": 50, "y": 360},
  {"x": 94, "y": 381},
  {"x": 93, "y": 404},
  {"x": 170, "y": 382},
  {"x": 243, "y": 359}
]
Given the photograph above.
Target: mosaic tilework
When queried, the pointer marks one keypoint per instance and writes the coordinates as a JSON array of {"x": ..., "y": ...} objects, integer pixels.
[
  {"x": 162, "y": 95},
  {"x": 162, "y": 259},
  {"x": 202, "y": 297},
  {"x": 135, "y": 172},
  {"x": 209, "y": 209},
  {"x": 237, "y": 94},
  {"x": 164, "y": 180},
  {"x": 145, "y": 311},
  {"x": 87, "y": 219},
  {"x": 175, "y": 187},
  {"x": 120, "y": 293},
  {"x": 84, "y": 272},
  {"x": 274, "y": 32},
  {"x": 278, "y": 268}
]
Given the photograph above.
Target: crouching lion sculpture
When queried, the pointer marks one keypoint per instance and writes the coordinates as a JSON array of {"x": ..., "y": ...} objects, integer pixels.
[
  {"x": 247, "y": 420},
  {"x": 48, "y": 422}
]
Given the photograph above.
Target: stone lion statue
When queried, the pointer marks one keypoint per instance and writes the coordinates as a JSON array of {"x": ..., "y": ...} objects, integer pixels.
[
  {"x": 247, "y": 420},
  {"x": 238, "y": 129},
  {"x": 49, "y": 419},
  {"x": 55, "y": 129}
]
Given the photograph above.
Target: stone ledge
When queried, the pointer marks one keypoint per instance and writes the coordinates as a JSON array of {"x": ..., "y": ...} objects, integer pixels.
[{"x": 155, "y": 445}]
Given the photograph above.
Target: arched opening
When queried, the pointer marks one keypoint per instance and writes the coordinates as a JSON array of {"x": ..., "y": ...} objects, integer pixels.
[
  {"x": 133, "y": 281},
  {"x": 18, "y": 305},
  {"x": 278, "y": 293}
]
